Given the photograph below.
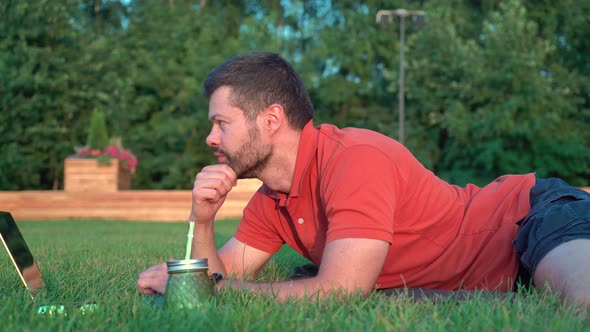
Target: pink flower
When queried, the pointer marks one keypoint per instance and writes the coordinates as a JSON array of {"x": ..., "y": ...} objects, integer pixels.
[
  {"x": 124, "y": 155},
  {"x": 112, "y": 151},
  {"x": 128, "y": 159},
  {"x": 131, "y": 163},
  {"x": 84, "y": 152}
]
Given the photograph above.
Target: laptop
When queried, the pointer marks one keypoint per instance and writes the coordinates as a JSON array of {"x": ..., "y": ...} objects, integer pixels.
[
  {"x": 28, "y": 270},
  {"x": 21, "y": 256}
]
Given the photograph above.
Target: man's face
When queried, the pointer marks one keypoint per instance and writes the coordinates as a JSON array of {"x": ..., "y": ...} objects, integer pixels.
[{"x": 237, "y": 142}]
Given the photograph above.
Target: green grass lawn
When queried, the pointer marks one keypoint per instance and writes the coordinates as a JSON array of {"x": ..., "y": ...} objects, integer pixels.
[{"x": 100, "y": 260}]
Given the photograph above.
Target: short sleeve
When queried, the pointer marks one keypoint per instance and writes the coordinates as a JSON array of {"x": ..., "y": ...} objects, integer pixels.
[
  {"x": 360, "y": 195},
  {"x": 257, "y": 229}
]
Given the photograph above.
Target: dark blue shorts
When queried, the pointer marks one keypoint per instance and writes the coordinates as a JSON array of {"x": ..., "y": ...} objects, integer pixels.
[{"x": 559, "y": 213}]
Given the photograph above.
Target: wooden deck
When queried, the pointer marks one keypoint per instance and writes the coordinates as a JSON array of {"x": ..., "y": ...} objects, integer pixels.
[{"x": 133, "y": 205}]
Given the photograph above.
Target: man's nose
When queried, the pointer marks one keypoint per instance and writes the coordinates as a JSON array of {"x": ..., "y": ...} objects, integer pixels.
[{"x": 213, "y": 137}]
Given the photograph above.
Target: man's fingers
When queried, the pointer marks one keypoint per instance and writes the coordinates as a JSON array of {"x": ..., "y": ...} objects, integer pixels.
[
  {"x": 152, "y": 286},
  {"x": 220, "y": 171},
  {"x": 154, "y": 269},
  {"x": 153, "y": 280},
  {"x": 215, "y": 180},
  {"x": 144, "y": 288},
  {"x": 220, "y": 185},
  {"x": 213, "y": 183},
  {"x": 211, "y": 195},
  {"x": 211, "y": 186}
]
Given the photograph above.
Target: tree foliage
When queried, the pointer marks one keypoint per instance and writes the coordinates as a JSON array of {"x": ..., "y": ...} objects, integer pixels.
[
  {"x": 98, "y": 138},
  {"x": 492, "y": 87}
]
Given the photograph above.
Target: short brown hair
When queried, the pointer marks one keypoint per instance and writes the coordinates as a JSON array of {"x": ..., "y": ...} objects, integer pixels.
[{"x": 260, "y": 79}]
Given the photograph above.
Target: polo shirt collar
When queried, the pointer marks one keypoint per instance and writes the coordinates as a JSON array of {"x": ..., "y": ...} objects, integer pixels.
[{"x": 308, "y": 145}]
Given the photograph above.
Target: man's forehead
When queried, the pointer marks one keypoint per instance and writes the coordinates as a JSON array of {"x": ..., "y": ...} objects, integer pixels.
[
  {"x": 217, "y": 116},
  {"x": 222, "y": 93},
  {"x": 218, "y": 113},
  {"x": 219, "y": 109}
]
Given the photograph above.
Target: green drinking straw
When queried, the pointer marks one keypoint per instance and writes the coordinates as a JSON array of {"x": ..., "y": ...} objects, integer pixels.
[{"x": 189, "y": 242}]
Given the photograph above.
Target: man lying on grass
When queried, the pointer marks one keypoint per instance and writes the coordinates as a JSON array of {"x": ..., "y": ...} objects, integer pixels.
[{"x": 361, "y": 207}]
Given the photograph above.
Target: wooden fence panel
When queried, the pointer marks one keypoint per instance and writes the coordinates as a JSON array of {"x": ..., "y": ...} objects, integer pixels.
[{"x": 133, "y": 205}]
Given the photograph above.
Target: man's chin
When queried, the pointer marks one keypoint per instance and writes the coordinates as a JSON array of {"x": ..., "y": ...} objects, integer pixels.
[
  {"x": 246, "y": 175},
  {"x": 239, "y": 175}
]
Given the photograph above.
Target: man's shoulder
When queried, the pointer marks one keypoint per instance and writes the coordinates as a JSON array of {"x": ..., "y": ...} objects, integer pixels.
[{"x": 333, "y": 136}]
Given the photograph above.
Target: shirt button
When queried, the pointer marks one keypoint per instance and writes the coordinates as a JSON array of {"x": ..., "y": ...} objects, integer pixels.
[{"x": 300, "y": 221}]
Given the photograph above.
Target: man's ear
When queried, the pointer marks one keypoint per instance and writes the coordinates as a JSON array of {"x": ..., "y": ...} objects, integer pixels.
[{"x": 273, "y": 118}]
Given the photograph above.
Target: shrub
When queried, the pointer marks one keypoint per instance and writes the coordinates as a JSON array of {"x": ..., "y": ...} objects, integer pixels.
[{"x": 98, "y": 138}]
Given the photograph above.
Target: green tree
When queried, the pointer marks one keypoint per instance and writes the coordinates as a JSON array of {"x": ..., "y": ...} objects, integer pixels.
[
  {"x": 491, "y": 87},
  {"x": 504, "y": 108},
  {"x": 98, "y": 137},
  {"x": 36, "y": 45},
  {"x": 169, "y": 51}
]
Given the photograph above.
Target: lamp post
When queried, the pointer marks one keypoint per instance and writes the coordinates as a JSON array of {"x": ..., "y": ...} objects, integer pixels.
[{"x": 402, "y": 14}]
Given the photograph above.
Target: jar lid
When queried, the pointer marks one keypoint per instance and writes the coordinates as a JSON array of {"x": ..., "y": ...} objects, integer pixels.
[{"x": 187, "y": 265}]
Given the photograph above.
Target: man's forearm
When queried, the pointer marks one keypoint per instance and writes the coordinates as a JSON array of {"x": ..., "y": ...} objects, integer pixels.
[
  {"x": 312, "y": 288},
  {"x": 204, "y": 246}
]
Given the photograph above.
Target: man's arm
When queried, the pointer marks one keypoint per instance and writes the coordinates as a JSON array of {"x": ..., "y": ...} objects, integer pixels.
[
  {"x": 235, "y": 259},
  {"x": 348, "y": 265},
  {"x": 210, "y": 189},
  {"x": 241, "y": 260}
]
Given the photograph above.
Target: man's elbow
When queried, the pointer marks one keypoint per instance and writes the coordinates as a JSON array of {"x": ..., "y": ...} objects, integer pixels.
[{"x": 344, "y": 287}]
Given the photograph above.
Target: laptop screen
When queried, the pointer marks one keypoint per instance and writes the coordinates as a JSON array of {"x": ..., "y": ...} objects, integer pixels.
[{"x": 20, "y": 254}]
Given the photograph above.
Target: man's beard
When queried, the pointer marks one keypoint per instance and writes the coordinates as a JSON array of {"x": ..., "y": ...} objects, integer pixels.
[{"x": 251, "y": 158}]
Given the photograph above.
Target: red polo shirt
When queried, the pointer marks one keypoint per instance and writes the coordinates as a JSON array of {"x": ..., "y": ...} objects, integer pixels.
[{"x": 356, "y": 183}]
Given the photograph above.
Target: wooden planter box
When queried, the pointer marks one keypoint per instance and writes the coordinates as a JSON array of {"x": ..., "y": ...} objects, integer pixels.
[{"x": 88, "y": 175}]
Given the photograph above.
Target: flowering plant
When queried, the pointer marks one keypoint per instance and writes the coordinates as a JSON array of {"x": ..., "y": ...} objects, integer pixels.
[{"x": 126, "y": 157}]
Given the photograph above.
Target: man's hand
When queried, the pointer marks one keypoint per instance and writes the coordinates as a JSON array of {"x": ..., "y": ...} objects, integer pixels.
[
  {"x": 212, "y": 184},
  {"x": 153, "y": 280},
  {"x": 210, "y": 189}
]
